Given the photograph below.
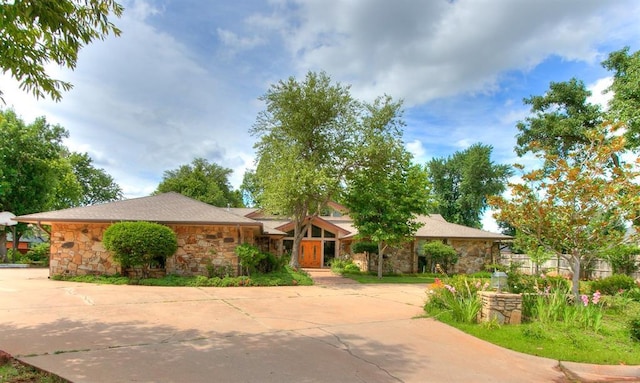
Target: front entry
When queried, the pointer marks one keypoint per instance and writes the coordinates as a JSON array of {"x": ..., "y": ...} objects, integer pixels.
[{"x": 310, "y": 254}]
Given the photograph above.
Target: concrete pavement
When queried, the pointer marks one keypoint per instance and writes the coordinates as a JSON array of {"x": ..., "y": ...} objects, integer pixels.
[{"x": 333, "y": 332}]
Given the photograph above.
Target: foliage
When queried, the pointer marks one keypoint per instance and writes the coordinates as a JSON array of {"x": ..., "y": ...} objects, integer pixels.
[
  {"x": 39, "y": 253},
  {"x": 344, "y": 266},
  {"x": 530, "y": 246},
  {"x": 284, "y": 277},
  {"x": 462, "y": 182},
  {"x": 250, "y": 189},
  {"x": 80, "y": 183},
  {"x": 139, "y": 243},
  {"x": 364, "y": 247},
  {"x": 456, "y": 296},
  {"x": 368, "y": 278},
  {"x": 203, "y": 181},
  {"x": 14, "y": 371},
  {"x": 573, "y": 207},
  {"x": 624, "y": 107},
  {"x": 613, "y": 284},
  {"x": 35, "y": 33},
  {"x": 623, "y": 258},
  {"x": 249, "y": 256},
  {"x": 441, "y": 254},
  {"x": 385, "y": 191},
  {"x": 559, "y": 121},
  {"x": 634, "y": 329}
]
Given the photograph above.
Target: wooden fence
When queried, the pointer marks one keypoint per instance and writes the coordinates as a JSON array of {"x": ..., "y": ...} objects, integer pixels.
[{"x": 596, "y": 269}]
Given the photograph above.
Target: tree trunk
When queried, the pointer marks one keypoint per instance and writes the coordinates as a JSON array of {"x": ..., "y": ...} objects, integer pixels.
[
  {"x": 298, "y": 234},
  {"x": 380, "y": 258},
  {"x": 575, "y": 280},
  {"x": 3, "y": 244}
]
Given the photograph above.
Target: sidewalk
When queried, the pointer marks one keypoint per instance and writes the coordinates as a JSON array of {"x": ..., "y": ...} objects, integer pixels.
[{"x": 333, "y": 332}]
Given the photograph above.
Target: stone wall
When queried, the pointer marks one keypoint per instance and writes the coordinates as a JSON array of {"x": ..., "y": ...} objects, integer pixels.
[
  {"x": 505, "y": 308},
  {"x": 474, "y": 254},
  {"x": 76, "y": 249}
]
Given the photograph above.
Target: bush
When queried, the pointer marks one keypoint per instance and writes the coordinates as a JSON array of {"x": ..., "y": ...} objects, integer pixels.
[
  {"x": 351, "y": 268},
  {"x": 140, "y": 243},
  {"x": 250, "y": 257},
  {"x": 614, "y": 284},
  {"x": 271, "y": 263},
  {"x": 39, "y": 254},
  {"x": 456, "y": 296},
  {"x": 634, "y": 329},
  {"x": 437, "y": 253}
]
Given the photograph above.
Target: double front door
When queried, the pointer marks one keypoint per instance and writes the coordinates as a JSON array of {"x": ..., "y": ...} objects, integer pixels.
[{"x": 310, "y": 254}]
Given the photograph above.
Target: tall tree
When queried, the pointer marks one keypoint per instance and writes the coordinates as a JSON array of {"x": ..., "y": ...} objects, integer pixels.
[
  {"x": 624, "y": 107},
  {"x": 27, "y": 156},
  {"x": 567, "y": 209},
  {"x": 462, "y": 182},
  {"x": 82, "y": 184},
  {"x": 386, "y": 191},
  {"x": 559, "y": 119},
  {"x": 201, "y": 180},
  {"x": 251, "y": 189},
  {"x": 308, "y": 136},
  {"x": 34, "y": 33}
]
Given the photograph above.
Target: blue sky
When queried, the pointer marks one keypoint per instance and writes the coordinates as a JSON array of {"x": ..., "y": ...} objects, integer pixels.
[{"x": 184, "y": 78}]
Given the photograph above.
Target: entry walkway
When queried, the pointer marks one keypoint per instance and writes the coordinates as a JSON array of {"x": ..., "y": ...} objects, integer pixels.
[
  {"x": 325, "y": 277},
  {"x": 342, "y": 332}
]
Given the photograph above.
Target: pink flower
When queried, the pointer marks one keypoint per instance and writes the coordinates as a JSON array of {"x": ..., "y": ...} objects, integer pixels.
[
  {"x": 486, "y": 285},
  {"x": 451, "y": 289},
  {"x": 478, "y": 285},
  {"x": 596, "y": 297},
  {"x": 542, "y": 276},
  {"x": 585, "y": 300}
]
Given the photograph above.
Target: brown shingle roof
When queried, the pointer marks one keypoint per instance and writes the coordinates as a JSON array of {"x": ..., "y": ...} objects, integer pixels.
[
  {"x": 162, "y": 208},
  {"x": 435, "y": 226}
]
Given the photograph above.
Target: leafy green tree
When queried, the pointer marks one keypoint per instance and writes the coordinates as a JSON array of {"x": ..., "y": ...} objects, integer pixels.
[
  {"x": 203, "y": 181},
  {"x": 567, "y": 208},
  {"x": 306, "y": 143},
  {"x": 386, "y": 192},
  {"x": 35, "y": 33},
  {"x": 250, "y": 189},
  {"x": 559, "y": 120},
  {"x": 624, "y": 258},
  {"x": 81, "y": 184},
  {"x": 27, "y": 157},
  {"x": 140, "y": 243},
  {"x": 438, "y": 253},
  {"x": 625, "y": 105},
  {"x": 462, "y": 183}
]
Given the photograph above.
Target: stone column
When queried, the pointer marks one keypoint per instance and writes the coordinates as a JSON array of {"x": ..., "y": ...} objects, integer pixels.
[{"x": 505, "y": 308}]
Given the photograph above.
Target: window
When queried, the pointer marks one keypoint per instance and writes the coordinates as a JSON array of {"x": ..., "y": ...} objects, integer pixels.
[
  {"x": 316, "y": 232},
  {"x": 328, "y": 234}
]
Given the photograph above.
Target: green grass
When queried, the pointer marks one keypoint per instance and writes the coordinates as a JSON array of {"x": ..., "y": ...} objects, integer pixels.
[
  {"x": 404, "y": 278},
  {"x": 286, "y": 277},
  {"x": 12, "y": 371},
  {"x": 611, "y": 345}
]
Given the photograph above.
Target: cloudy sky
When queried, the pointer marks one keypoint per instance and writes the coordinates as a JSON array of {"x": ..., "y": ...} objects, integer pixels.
[{"x": 183, "y": 79}]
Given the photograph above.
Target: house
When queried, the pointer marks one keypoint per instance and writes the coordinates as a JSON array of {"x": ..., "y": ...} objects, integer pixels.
[{"x": 207, "y": 236}]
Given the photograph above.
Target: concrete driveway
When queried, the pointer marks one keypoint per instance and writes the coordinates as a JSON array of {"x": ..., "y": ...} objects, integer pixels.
[{"x": 328, "y": 333}]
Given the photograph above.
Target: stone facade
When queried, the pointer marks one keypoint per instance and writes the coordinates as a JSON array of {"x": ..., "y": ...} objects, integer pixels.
[
  {"x": 472, "y": 256},
  {"x": 76, "y": 249},
  {"x": 505, "y": 308}
]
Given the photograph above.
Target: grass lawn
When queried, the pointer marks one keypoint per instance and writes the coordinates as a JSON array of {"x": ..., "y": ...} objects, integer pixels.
[
  {"x": 405, "y": 278},
  {"x": 13, "y": 371},
  {"x": 286, "y": 277},
  {"x": 611, "y": 345}
]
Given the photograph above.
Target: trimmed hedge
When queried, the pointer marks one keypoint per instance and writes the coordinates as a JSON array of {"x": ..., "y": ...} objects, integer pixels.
[{"x": 139, "y": 243}]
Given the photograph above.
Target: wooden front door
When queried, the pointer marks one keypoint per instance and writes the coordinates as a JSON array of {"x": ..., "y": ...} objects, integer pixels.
[{"x": 310, "y": 254}]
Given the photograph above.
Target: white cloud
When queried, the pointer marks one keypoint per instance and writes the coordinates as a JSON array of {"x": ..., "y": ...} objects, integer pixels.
[
  {"x": 598, "y": 95},
  {"x": 416, "y": 148},
  {"x": 420, "y": 51}
]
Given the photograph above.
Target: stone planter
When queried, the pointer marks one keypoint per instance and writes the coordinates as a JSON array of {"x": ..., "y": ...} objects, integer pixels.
[{"x": 505, "y": 308}]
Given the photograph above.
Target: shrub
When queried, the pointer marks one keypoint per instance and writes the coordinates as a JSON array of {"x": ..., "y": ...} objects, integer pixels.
[
  {"x": 351, "y": 268},
  {"x": 437, "y": 253},
  {"x": 634, "y": 329},
  {"x": 140, "y": 243},
  {"x": 365, "y": 247},
  {"x": 271, "y": 263},
  {"x": 614, "y": 284},
  {"x": 250, "y": 256},
  {"x": 38, "y": 253},
  {"x": 456, "y": 296}
]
